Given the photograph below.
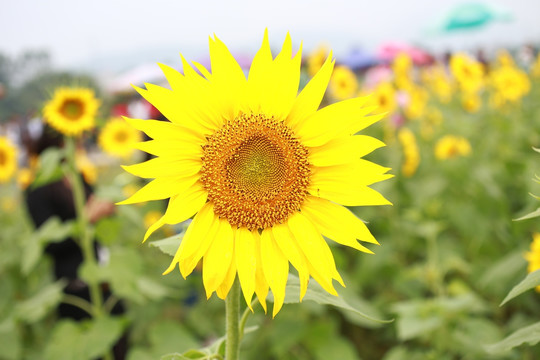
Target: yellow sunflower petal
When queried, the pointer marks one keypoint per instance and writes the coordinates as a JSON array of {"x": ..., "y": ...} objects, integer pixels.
[
  {"x": 196, "y": 231},
  {"x": 186, "y": 204},
  {"x": 286, "y": 243},
  {"x": 343, "y": 150},
  {"x": 275, "y": 267},
  {"x": 357, "y": 196},
  {"x": 218, "y": 258},
  {"x": 164, "y": 130},
  {"x": 246, "y": 262},
  {"x": 311, "y": 96},
  {"x": 337, "y": 223},
  {"x": 163, "y": 167},
  {"x": 225, "y": 286},
  {"x": 358, "y": 172},
  {"x": 160, "y": 188},
  {"x": 171, "y": 148},
  {"x": 315, "y": 249},
  {"x": 332, "y": 121},
  {"x": 261, "y": 284},
  {"x": 167, "y": 101}
]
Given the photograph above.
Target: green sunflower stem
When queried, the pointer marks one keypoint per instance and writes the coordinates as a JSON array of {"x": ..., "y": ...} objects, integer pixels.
[
  {"x": 85, "y": 235},
  {"x": 232, "y": 318},
  {"x": 86, "y": 243}
]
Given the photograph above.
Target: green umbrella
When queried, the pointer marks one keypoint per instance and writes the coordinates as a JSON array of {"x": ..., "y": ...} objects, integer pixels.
[{"x": 470, "y": 16}]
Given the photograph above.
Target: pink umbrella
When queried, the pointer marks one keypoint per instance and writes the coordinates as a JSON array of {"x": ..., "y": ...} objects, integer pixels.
[{"x": 387, "y": 52}]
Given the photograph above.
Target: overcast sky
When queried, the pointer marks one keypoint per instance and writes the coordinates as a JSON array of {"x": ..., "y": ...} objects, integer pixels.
[{"x": 97, "y": 31}]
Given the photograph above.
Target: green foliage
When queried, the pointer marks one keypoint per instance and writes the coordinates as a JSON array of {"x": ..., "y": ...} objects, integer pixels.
[{"x": 89, "y": 339}]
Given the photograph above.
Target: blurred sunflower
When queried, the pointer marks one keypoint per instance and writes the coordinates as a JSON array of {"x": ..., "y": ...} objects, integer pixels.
[
  {"x": 510, "y": 82},
  {"x": 71, "y": 110},
  {"x": 343, "y": 83},
  {"x": 468, "y": 72},
  {"x": 384, "y": 97},
  {"x": 471, "y": 102},
  {"x": 118, "y": 138},
  {"x": 450, "y": 146},
  {"x": 411, "y": 155},
  {"x": 86, "y": 167},
  {"x": 316, "y": 59},
  {"x": 25, "y": 176},
  {"x": 533, "y": 256},
  {"x": 8, "y": 159},
  {"x": 262, "y": 169}
]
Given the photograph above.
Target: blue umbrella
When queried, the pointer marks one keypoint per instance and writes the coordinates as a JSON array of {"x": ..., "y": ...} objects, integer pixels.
[{"x": 358, "y": 59}]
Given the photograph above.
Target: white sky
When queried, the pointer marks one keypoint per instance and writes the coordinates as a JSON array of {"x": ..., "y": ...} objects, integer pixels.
[{"x": 96, "y": 31}]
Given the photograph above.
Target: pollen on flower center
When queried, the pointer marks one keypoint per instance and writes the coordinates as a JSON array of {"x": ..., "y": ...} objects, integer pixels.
[
  {"x": 255, "y": 171},
  {"x": 72, "y": 109}
]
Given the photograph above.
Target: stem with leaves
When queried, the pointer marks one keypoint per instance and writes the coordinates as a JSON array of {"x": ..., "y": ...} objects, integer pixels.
[{"x": 85, "y": 233}]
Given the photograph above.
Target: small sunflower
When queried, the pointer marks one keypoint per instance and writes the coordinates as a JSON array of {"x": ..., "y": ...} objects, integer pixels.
[
  {"x": 118, "y": 138},
  {"x": 71, "y": 110},
  {"x": 468, "y": 72},
  {"x": 343, "y": 83},
  {"x": 8, "y": 159},
  {"x": 411, "y": 155},
  {"x": 384, "y": 97},
  {"x": 265, "y": 173},
  {"x": 86, "y": 167},
  {"x": 450, "y": 146}
]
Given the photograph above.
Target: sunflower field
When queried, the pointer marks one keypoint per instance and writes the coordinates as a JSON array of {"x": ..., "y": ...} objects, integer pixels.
[{"x": 234, "y": 175}]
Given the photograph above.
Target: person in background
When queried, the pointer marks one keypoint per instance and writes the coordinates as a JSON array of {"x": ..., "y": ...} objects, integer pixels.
[{"x": 56, "y": 199}]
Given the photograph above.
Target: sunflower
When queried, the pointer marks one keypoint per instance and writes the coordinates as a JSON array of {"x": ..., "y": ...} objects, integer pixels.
[
  {"x": 263, "y": 171},
  {"x": 8, "y": 159},
  {"x": 384, "y": 97},
  {"x": 411, "y": 155},
  {"x": 343, "y": 83},
  {"x": 71, "y": 110},
  {"x": 118, "y": 138},
  {"x": 450, "y": 146},
  {"x": 468, "y": 72},
  {"x": 316, "y": 59}
]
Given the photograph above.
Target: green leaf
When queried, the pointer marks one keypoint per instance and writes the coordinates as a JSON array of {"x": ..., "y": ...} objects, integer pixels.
[
  {"x": 531, "y": 280},
  {"x": 53, "y": 230},
  {"x": 35, "y": 308},
  {"x": 531, "y": 215},
  {"x": 49, "y": 169},
  {"x": 189, "y": 355},
  {"x": 11, "y": 340},
  {"x": 108, "y": 230},
  {"x": 169, "y": 245},
  {"x": 316, "y": 293},
  {"x": 527, "y": 335},
  {"x": 102, "y": 335},
  {"x": 169, "y": 337},
  {"x": 84, "y": 341}
]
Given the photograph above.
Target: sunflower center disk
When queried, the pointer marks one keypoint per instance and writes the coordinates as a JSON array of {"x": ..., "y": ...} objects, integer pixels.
[
  {"x": 255, "y": 171},
  {"x": 72, "y": 109},
  {"x": 3, "y": 158}
]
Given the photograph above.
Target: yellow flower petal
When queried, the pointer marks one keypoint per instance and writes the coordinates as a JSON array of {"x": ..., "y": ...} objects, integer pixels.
[
  {"x": 275, "y": 267},
  {"x": 311, "y": 96},
  {"x": 337, "y": 223},
  {"x": 218, "y": 258},
  {"x": 261, "y": 284},
  {"x": 246, "y": 262},
  {"x": 315, "y": 250},
  {"x": 160, "y": 188},
  {"x": 343, "y": 150},
  {"x": 286, "y": 243}
]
